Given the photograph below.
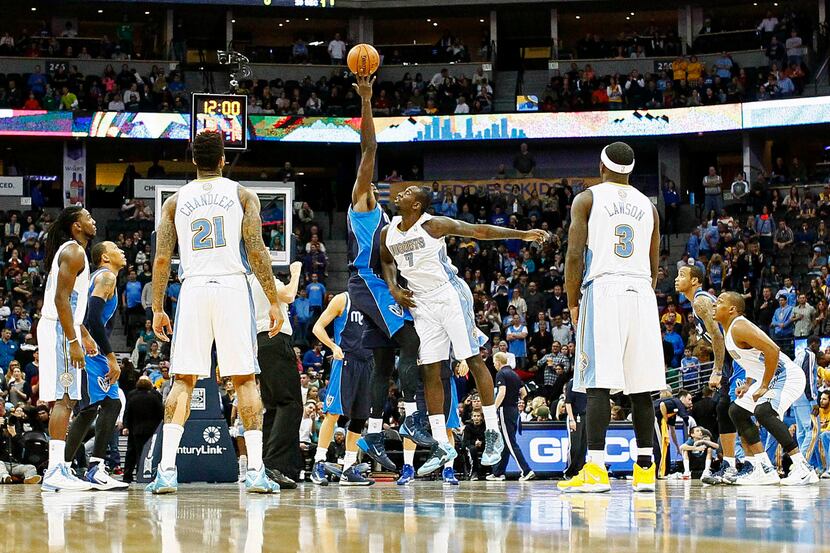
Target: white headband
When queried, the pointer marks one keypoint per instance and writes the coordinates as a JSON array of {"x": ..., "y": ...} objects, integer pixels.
[{"x": 616, "y": 167}]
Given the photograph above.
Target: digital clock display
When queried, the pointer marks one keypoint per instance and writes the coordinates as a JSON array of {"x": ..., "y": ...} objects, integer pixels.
[{"x": 226, "y": 113}]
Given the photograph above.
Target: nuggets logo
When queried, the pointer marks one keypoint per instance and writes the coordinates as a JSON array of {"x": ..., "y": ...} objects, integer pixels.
[
  {"x": 583, "y": 362},
  {"x": 103, "y": 384},
  {"x": 622, "y": 194},
  {"x": 396, "y": 309},
  {"x": 211, "y": 434}
]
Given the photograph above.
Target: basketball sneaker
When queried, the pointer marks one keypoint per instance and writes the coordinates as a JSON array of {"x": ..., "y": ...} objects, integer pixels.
[
  {"x": 747, "y": 476},
  {"x": 97, "y": 476},
  {"x": 412, "y": 429},
  {"x": 494, "y": 478},
  {"x": 166, "y": 481},
  {"x": 243, "y": 467},
  {"x": 527, "y": 477},
  {"x": 448, "y": 476},
  {"x": 60, "y": 478},
  {"x": 407, "y": 475},
  {"x": 644, "y": 479},
  {"x": 717, "y": 477},
  {"x": 318, "y": 474},
  {"x": 372, "y": 445},
  {"x": 493, "y": 446},
  {"x": 801, "y": 474},
  {"x": 256, "y": 481},
  {"x": 592, "y": 478},
  {"x": 438, "y": 457},
  {"x": 352, "y": 477},
  {"x": 767, "y": 475}
]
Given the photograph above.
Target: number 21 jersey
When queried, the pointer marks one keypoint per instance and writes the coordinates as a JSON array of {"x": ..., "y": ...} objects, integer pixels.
[
  {"x": 619, "y": 233},
  {"x": 209, "y": 228}
]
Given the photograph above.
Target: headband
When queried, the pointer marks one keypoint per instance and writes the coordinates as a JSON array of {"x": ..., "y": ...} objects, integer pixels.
[{"x": 616, "y": 167}]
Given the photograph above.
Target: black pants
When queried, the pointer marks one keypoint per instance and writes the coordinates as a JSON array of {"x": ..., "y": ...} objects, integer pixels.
[
  {"x": 578, "y": 446},
  {"x": 135, "y": 445},
  {"x": 280, "y": 388},
  {"x": 509, "y": 426}
]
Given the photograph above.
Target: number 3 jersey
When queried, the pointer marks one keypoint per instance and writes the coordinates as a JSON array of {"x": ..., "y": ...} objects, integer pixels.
[
  {"x": 209, "y": 228},
  {"x": 619, "y": 233}
]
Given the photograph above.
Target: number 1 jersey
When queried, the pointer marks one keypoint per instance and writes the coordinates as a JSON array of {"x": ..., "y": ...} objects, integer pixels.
[
  {"x": 619, "y": 233},
  {"x": 209, "y": 228}
]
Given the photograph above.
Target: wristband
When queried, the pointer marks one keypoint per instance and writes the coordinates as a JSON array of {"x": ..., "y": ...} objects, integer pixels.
[{"x": 75, "y": 339}]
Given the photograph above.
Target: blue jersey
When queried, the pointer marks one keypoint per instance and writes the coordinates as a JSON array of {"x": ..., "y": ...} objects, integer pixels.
[
  {"x": 364, "y": 240},
  {"x": 111, "y": 304},
  {"x": 348, "y": 332},
  {"x": 97, "y": 388},
  {"x": 736, "y": 378},
  {"x": 701, "y": 327}
]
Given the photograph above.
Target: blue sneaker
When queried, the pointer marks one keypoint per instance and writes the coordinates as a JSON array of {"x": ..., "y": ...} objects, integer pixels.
[
  {"x": 440, "y": 454},
  {"x": 448, "y": 476},
  {"x": 407, "y": 475},
  {"x": 352, "y": 477},
  {"x": 372, "y": 445},
  {"x": 256, "y": 481},
  {"x": 166, "y": 481},
  {"x": 493, "y": 446},
  {"x": 414, "y": 430},
  {"x": 318, "y": 474}
]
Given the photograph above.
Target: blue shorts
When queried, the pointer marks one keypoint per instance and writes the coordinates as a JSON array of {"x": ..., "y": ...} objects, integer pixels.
[
  {"x": 736, "y": 377},
  {"x": 450, "y": 397},
  {"x": 348, "y": 392},
  {"x": 95, "y": 387},
  {"x": 370, "y": 295}
]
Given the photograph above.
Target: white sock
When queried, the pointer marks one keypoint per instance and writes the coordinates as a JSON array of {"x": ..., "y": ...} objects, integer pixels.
[
  {"x": 597, "y": 456},
  {"x": 708, "y": 463},
  {"x": 645, "y": 452},
  {"x": 686, "y": 468},
  {"x": 763, "y": 458},
  {"x": 170, "y": 445},
  {"x": 56, "y": 452},
  {"x": 375, "y": 426},
  {"x": 730, "y": 460},
  {"x": 349, "y": 459},
  {"x": 320, "y": 456},
  {"x": 253, "y": 443},
  {"x": 410, "y": 408},
  {"x": 439, "y": 428},
  {"x": 94, "y": 460},
  {"x": 408, "y": 457},
  {"x": 798, "y": 458},
  {"x": 449, "y": 464},
  {"x": 491, "y": 420}
]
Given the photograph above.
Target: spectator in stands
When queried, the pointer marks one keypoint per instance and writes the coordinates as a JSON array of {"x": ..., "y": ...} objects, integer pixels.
[
  {"x": 767, "y": 27},
  {"x": 337, "y": 50},
  {"x": 516, "y": 335},
  {"x": 674, "y": 339},
  {"x": 69, "y": 101},
  {"x": 794, "y": 48},
  {"x": 784, "y": 236},
  {"x": 316, "y": 292},
  {"x": 782, "y": 328},
  {"x": 713, "y": 194},
  {"x": 299, "y": 52},
  {"x": 804, "y": 315},
  {"x": 8, "y": 350},
  {"x": 776, "y": 53},
  {"x": 524, "y": 163}
]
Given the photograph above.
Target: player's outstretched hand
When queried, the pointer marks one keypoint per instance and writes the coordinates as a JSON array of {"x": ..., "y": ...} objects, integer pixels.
[
  {"x": 275, "y": 314},
  {"x": 536, "y": 235},
  {"x": 162, "y": 327},
  {"x": 403, "y": 297},
  {"x": 363, "y": 86}
]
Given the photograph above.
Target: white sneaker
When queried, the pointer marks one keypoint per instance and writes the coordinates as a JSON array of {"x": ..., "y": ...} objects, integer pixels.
[
  {"x": 800, "y": 475},
  {"x": 494, "y": 478},
  {"x": 60, "y": 478},
  {"x": 825, "y": 475},
  {"x": 527, "y": 477},
  {"x": 98, "y": 477},
  {"x": 748, "y": 475},
  {"x": 767, "y": 476},
  {"x": 706, "y": 474}
]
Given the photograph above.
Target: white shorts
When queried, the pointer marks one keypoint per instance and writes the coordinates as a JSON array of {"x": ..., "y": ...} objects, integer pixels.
[
  {"x": 444, "y": 318},
  {"x": 785, "y": 387},
  {"x": 618, "y": 341},
  {"x": 214, "y": 309},
  {"x": 57, "y": 376}
]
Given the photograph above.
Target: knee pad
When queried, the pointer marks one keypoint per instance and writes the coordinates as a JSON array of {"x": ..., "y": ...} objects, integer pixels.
[
  {"x": 356, "y": 425},
  {"x": 743, "y": 423},
  {"x": 766, "y": 414},
  {"x": 725, "y": 424},
  {"x": 769, "y": 419}
]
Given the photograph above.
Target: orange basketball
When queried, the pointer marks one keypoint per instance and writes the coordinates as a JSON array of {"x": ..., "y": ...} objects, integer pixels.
[{"x": 363, "y": 60}]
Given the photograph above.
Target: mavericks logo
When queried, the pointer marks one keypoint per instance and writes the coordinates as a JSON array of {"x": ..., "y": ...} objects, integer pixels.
[
  {"x": 396, "y": 309},
  {"x": 104, "y": 384}
]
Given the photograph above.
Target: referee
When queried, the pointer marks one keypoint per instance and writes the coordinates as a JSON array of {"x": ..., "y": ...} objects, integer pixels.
[
  {"x": 279, "y": 384},
  {"x": 510, "y": 389}
]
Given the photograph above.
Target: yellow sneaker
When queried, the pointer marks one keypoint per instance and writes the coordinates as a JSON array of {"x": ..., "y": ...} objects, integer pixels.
[
  {"x": 592, "y": 478},
  {"x": 644, "y": 479}
]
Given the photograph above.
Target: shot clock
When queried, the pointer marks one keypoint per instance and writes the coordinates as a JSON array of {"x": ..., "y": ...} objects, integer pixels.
[{"x": 227, "y": 113}]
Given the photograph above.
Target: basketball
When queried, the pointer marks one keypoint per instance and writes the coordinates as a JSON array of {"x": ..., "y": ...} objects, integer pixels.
[{"x": 363, "y": 60}]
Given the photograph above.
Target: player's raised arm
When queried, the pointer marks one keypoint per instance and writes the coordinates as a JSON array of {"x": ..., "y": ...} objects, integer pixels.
[
  {"x": 165, "y": 244},
  {"x": 747, "y": 335},
  {"x": 287, "y": 293},
  {"x": 333, "y": 310},
  {"x": 389, "y": 272},
  {"x": 71, "y": 263},
  {"x": 575, "y": 257},
  {"x": 362, "y": 197},
  {"x": 438, "y": 227},
  {"x": 705, "y": 309},
  {"x": 258, "y": 256},
  {"x": 654, "y": 252}
]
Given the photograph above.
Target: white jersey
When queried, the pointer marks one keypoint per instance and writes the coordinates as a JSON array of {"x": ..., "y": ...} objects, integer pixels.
[
  {"x": 209, "y": 227},
  {"x": 752, "y": 360},
  {"x": 619, "y": 233},
  {"x": 80, "y": 291},
  {"x": 421, "y": 259}
]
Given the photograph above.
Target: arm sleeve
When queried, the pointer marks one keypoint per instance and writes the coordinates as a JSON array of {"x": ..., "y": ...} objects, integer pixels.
[{"x": 95, "y": 324}]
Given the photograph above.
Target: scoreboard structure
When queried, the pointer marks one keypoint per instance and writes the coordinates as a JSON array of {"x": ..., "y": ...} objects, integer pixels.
[{"x": 226, "y": 113}]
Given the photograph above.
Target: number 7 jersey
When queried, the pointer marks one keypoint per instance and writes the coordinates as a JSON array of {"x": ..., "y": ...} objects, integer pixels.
[
  {"x": 619, "y": 233},
  {"x": 209, "y": 229}
]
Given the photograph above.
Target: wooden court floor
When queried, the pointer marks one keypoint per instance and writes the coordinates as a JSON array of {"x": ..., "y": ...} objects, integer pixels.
[{"x": 481, "y": 517}]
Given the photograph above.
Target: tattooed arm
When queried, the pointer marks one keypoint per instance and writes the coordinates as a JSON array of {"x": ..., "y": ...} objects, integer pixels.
[
  {"x": 165, "y": 244},
  {"x": 258, "y": 255}
]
